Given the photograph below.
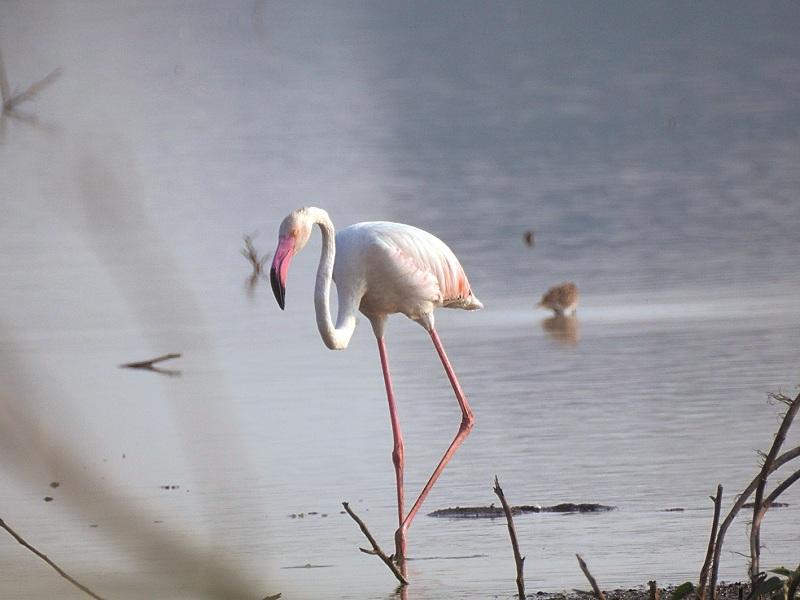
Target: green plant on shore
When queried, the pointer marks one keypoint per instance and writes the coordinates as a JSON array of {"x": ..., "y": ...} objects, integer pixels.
[
  {"x": 781, "y": 586},
  {"x": 682, "y": 591}
]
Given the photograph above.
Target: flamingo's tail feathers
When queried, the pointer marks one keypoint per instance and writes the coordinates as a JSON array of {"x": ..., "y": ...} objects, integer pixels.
[
  {"x": 468, "y": 303},
  {"x": 474, "y": 303}
]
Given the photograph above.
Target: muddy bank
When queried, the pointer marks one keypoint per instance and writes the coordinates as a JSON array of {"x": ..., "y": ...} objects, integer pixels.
[{"x": 725, "y": 591}]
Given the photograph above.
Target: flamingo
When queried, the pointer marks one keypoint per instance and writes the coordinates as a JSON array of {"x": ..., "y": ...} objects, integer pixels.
[{"x": 381, "y": 268}]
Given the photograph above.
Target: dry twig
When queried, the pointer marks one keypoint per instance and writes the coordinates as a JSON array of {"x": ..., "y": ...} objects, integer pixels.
[
  {"x": 148, "y": 365},
  {"x": 758, "y": 507},
  {"x": 376, "y": 549},
  {"x": 44, "y": 557},
  {"x": 5, "y": 89},
  {"x": 592, "y": 581},
  {"x": 740, "y": 501},
  {"x": 766, "y": 504},
  {"x": 701, "y": 586},
  {"x": 31, "y": 92},
  {"x": 518, "y": 559},
  {"x": 257, "y": 262},
  {"x": 9, "y": 101}
]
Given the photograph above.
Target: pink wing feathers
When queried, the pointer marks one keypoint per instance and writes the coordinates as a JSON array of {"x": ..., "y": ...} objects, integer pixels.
[{"x": 428, "y": 262}]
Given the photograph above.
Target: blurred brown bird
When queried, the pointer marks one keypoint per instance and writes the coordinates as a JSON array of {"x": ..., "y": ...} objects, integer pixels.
[
  {"x": 528, "y": 237},
  {"x": 562, "y": 299}
]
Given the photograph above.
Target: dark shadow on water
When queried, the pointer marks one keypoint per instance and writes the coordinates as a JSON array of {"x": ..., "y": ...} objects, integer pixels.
[{"x": 464, "y": 557}]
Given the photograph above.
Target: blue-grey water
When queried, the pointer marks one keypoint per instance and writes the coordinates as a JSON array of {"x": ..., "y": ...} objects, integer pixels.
[{"x": 653, "y": 150}]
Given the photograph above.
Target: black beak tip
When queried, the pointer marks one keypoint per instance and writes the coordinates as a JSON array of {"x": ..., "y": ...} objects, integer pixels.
[{"x": 277, "y": 289}]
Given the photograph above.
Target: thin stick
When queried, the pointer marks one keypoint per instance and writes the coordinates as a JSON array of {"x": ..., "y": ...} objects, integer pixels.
[
  {"x": 375, "y": 547},
  {"x": 780, "y": 436},
  {"x": 518, "y": 559},
  {"x": 769, "y": 500},
  {"x": 701, "y": 586},
  {"x": 784, "y": 485},
  {"x": 723, "y": 528},
  {"x": 148, "y": 364},
  {"x": 251, "y": 254},
  {"x": 32, "y": 91},
  {"x": 58, "y": 569},
  {"x": 599, "y": 594},
  {"x": 5, "y": 90}
]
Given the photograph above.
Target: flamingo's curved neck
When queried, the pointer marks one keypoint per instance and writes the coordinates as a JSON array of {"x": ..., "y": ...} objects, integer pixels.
[{"x": 335, "y": 337}]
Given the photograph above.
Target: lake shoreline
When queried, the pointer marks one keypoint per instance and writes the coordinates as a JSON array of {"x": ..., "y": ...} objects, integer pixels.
[{"x": 725, "y": 591}]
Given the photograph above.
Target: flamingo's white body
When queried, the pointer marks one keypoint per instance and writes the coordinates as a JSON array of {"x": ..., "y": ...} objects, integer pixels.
[{"x": 381, "y": 268}]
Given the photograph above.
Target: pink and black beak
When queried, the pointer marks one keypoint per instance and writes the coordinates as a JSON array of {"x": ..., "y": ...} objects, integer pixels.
[{"x": 280, "y": 268}]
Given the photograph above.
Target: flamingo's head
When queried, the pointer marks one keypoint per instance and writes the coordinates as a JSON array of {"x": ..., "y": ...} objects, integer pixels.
[{"x": 293, "y": 235}]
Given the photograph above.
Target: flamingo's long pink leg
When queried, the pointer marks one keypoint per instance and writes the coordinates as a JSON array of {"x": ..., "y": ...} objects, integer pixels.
[
  {"x": 397, "y": 452},
  {"x": 467, "y": 422}
]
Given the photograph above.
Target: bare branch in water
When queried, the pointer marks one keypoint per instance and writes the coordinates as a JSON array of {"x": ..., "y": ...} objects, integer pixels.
[
  {"x": 592, "y": 581},
  {"x": 10, "y": 101},
  {"x": 32, "y": 91},
  {"x": 44, "y": 557},
  {"x": 375, "y": 547},
  {"x": 701, "y": 586},
  {"x": 257, "y": 262},
  {"x": 5, "y": 90},
  {"x": 519, "y": 560},
  {"x": 740, "y": 501},
  {"x": 148, "y": 365},
  {"x": 766, "y": 469}
]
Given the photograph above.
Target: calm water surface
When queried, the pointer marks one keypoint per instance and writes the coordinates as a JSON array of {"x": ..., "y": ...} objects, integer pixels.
[{"x": 654, "y": 152}]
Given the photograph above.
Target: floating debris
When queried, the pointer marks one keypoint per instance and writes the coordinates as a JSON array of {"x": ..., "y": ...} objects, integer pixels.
[
  {"x": 528, "y": 238},
  {"x": 773, "y": 505},
  {"x": 54, "y": 484},
  {"x": 48, "y": 498},
  {"x": 493, "y": 512},
  {"x": 310, "y": 513}
]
